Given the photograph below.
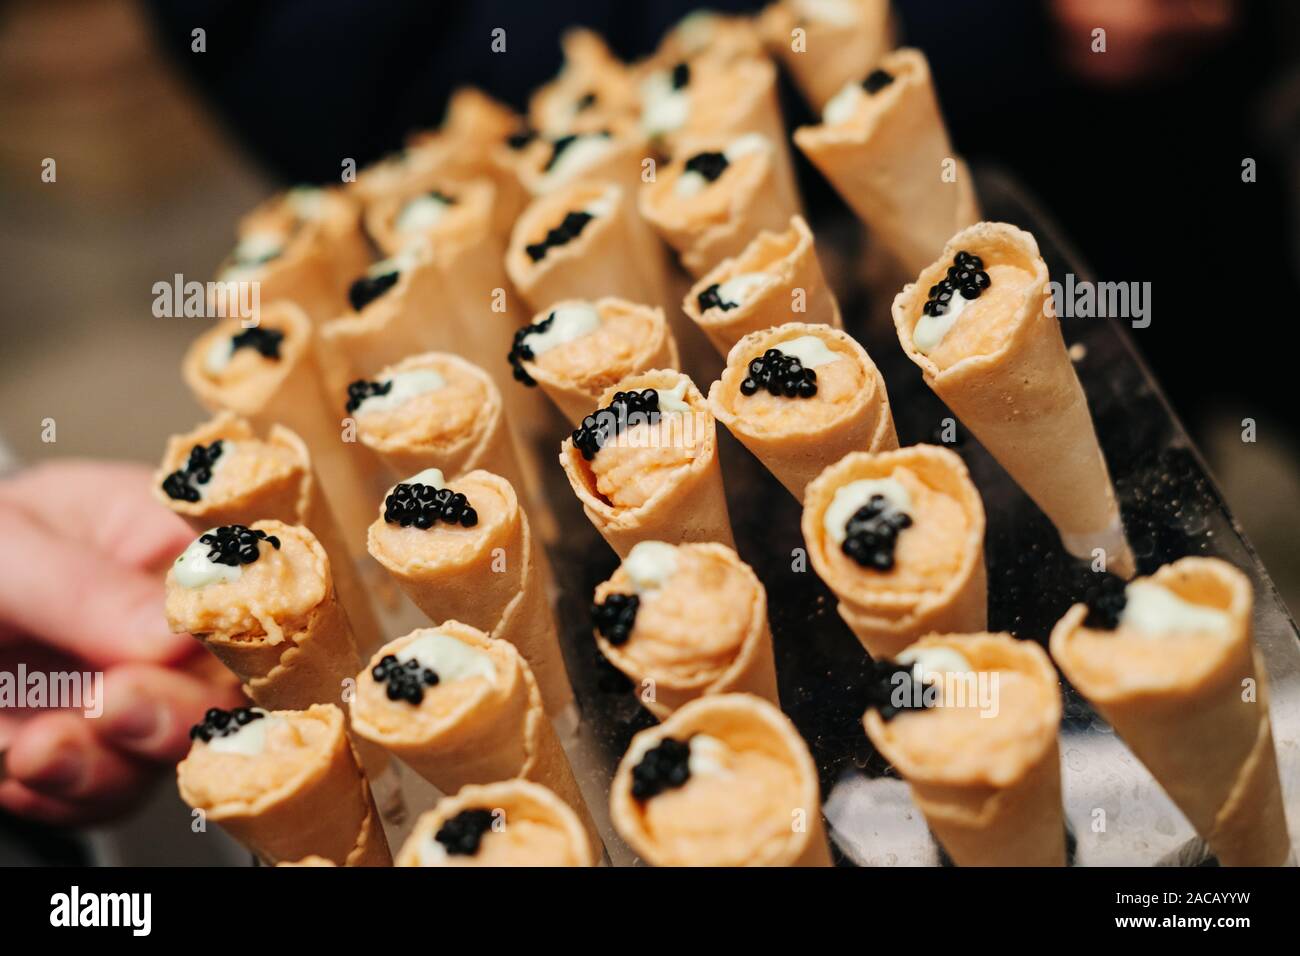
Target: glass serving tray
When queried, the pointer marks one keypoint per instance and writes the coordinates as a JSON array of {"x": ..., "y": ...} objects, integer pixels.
[{"x": 1171, "y": 509}]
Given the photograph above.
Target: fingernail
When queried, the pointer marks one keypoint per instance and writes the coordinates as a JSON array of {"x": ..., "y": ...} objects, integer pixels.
[
  {"x": 135, "y": 725},
  {"x": 62, "y": 772}
]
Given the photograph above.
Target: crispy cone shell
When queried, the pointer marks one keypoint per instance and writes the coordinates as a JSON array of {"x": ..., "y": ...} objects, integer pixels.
[
  {"x": 692, "y": 508},
  {"x": 739, "y": 718},
  {"x": 501, "y": 733},
  {"x": 832, "y": 54},
  {"x": 294, "y": 498},
  {"x": 762, "y": 200},
  {"x": 1211, "y": 750},
  {"x": 998, "y": 815},
  {"x": 614, "y": 255},
  {"x": 797, "y": 456},
  {"x": 752, "y": 670},
  {"x": 791, "y": 259},
  {"x": 1024, "y": 402},
  {"x": 890, "y": 171},
  {"x": 511, "y": 797},
  {"x": 328, "y": 812},
  {"x": 577, "y": 399},
  {"x": 886, "y": 622},
  {"x": 589, "y": 67}
]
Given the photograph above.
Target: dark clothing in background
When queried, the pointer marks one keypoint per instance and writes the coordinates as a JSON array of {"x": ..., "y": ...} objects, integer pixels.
[{"x": 1146, "y": 182}]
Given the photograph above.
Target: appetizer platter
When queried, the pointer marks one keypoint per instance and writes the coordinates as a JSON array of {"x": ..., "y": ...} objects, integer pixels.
[{"x": 587, "y": 499}]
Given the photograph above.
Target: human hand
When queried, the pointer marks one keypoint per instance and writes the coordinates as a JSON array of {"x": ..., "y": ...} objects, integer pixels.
[{"x": 85, "y": 550}]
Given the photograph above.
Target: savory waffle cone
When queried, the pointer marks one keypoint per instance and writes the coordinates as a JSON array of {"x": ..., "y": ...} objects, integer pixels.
[
  {"x": 273, "y": 479},
  {"x": 613, "y": 255},
  {"x": 633, "y": 338},
  {"x": 992, "y": 805},
  {"x": 889, "y": 165},
  {"x": 836, "y": 48},
  {"x": 788, "y": 438},
  {"x": 530, "y": 826},
  {"x": 287, "y": 389},
  {"x": 752, "y": 194},
  {"x": 774, "y": 819},
  {"x": 1180, "y": 704},
  {"x": 477, "y": 729},
  {"x": 689, "y": 506},
  {"x": 487, "y": 577},
  {"x": 278, "y": 627},
  {"x": 946, "y": 597},
  {"x": 796, "y": 283},
  {"x": 702, "y": 605},
  {"x": 320, "y": 810},
  {"x": 1021, "y": 397}
]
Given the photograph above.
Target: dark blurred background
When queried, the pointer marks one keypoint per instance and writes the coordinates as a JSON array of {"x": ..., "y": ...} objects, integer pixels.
[{"x": 1136, "y": 152}]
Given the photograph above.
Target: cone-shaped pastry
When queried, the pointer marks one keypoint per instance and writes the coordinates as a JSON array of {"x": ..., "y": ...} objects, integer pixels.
[
  {"x": 776, "y": 279},
  {"x": 614, "y": 154},
  {"x": 440, "y": 210},
  {"x": 705, "y": 34},
  {"x": 801, "y": 397},
  {"x": 683, "y": 621},
  {"x": 724, "y": 781},
  {"x": 838, "y": 42},
  {"x": 645, "y": 465},
  {"x": 462, "y": 550},
  {"x": 221, "y": 473},
  {"x": 269, "y": 375},
  {"x": 434, "y": 411},
  {"x": 286, "y": 784},
  {"x": 301, "y": 245},
  {"x": 261, "y": 598},
  {"x": 716, "y": 196},
  {"x": 1171, "y": 664},
  {"x": 990, "y": 346},
  {"x": 467, "y": 711},
  {"x": 899, "y": 537},
  {"x": 883, "y": 146},
  {"x": 593, "y": 87},
  {"x": 970, "y": 722},
  {"x": 511, "y": 823},
  {"x": 585, "y": 241},
  {"x": 575, "y": 350}
]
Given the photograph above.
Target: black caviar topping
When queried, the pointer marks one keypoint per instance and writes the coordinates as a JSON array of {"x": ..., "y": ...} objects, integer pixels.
[
  {"x": 877, "y": 80},
  {"x": 441, "y": 196},
  {"x": 603, "y": 425},
  {"x": 570, "y": 228},
  {"x": 369, "y": 288},
  {"x": 709, "y": 299},
  {"x": 405, "y": 681},
  {"x": 585, "y": 102},
  {"x": 522, "y": 138},
  {"x": 681, "y": 75},
  {"x": 966, "y": 275},
  {"x": 780, "y": 374},
  {"x": 222, "y": 723},
  {"x": 890, "y": 689},
  {"x": 616, "y": 617},
  {"x": 423, "y": 505},
  {"x": 361, "y": 389},
  {"x": 179, "y": 485},
  {"x": 665, "y": 766},
  {"x": 235, "y": 544},
  {"x": 462, "y": 834},
  {"x": 872, "y": 533},
  {"x": 265, "y": 341},
  {"x": 558, "y": 146},
  {"x": 521, "y": 351},
  {"x": 1106, "y": 601},
  {"x": 709, "y": 165}
]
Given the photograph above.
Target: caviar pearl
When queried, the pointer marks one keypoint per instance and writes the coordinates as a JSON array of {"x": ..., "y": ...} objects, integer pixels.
[
  {"x": 424, "y": 505},
  {"x": 665, "y": 766},
  {"x": 616, "y": 617},
  {"x": 235, "y": 544},
  {"x": 779, "y": 374},
  {"x": 180, "y": 484},
  {"x": 872, "y": 533},
  {"x": 405, "y": 681},
  {"x": 605, "y": 424},
  {"x": 463, "y": 834}
]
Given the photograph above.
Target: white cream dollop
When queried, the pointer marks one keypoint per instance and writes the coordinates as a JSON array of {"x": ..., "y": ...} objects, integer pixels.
[
  {"x": 432, "y": 853},
  {"x": 587, "y": 149},
  {"x": 838, "y": 13},
  {"x": 307, "y": 202},
  {"x": 194, "y": 569},
  {"x": 663, "y": 108},
  {"x": 854, "y": 495},
  {"x": 433, "y": 477},
  {"x": 930, "y": 329},
  {"x": 841, "y": 107},
  {"x": 406, "y": 385},
  {"x": 809, "y": 350},
  {"x": 1154, "y": 609},
  {"x": 422, "y": 213},
  {"x": 247, "y": 739},
  {"x": 930, "y": 663},
  {"x": 708, "y": 757},
  {"x": 449, "y": 658},
  {"x": 650, "y": 564},
  {"x": 674, "y": 399},
  {"x": 737, "y": 290},
  {"x": 219, "y": 354},
  {"x": 251, "y": 253},
  {"x": 568, "y": 322}
]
